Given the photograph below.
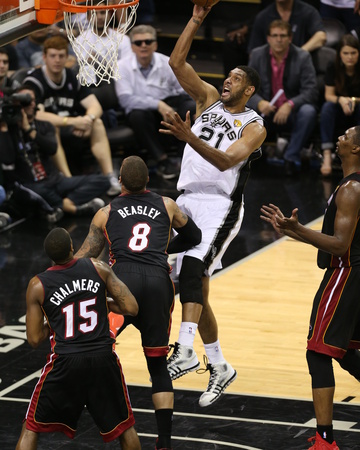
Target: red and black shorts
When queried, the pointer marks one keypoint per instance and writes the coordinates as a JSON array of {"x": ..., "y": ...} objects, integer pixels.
[
  {"x": 68, "y": 383},
  {"x": 154, "y": 291},
  {"x": 335, "y": 316}
]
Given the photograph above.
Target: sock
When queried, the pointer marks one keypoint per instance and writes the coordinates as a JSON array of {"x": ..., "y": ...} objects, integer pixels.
[
  {"x": 326, "y": 432},
  {"x": 164, "y": 425},
  {"x": 187, "y": 333},
  {"x": 214, "y": 353}
]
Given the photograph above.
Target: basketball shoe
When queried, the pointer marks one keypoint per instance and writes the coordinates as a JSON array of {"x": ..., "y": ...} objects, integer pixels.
[
  {"x": 115, "y": 186},
  {"x": 221, "y": 375},
  {"x": 321, "y": 444},
  {"x": 182, "y": 361},
  {"x": 90, "y": 208}
]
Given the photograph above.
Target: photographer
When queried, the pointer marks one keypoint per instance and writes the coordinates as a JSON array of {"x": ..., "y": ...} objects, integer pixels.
[{"x": 26, "y": 148}]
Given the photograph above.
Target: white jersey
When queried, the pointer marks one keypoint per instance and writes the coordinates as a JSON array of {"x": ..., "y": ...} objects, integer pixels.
[{"x": 219, "y": 128}]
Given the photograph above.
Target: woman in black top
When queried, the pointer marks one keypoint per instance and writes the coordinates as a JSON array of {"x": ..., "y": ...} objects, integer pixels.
[{"x": 341, "y": 109}]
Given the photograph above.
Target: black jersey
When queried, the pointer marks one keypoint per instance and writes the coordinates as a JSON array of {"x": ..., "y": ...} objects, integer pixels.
[
  {"x": 138, "y": 229},
  {"x": 64, "y": 98},
  {"x": 75, "y": 307},
  {"x": 352, "y": 255}
]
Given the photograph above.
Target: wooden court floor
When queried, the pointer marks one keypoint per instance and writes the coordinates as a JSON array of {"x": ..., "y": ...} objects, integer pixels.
[{"x": 262, "y": 300}]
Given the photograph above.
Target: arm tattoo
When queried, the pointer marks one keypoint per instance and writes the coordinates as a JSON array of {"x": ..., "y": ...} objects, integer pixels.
[
  {"x": 119, "y": 292},
  {"x": 93, "y": 244}
]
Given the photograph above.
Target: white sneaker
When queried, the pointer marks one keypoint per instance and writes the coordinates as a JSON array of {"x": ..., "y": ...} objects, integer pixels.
[
  {"x": 221, "y": 375},
  {"x": 182, "y": 361},
  {"x": 115, "y": 187}
]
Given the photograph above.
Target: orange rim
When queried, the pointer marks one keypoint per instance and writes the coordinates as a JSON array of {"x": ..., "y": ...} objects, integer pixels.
[{"x": 68, "y": 7}]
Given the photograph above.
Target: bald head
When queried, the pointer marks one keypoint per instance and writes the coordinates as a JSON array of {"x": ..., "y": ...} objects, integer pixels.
[
  {"x": 134, "y": 174},
  {"x": 58, "y": 245}
]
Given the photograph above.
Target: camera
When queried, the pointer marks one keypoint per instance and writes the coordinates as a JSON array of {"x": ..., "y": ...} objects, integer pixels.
[{"x": 11, "y": 104}]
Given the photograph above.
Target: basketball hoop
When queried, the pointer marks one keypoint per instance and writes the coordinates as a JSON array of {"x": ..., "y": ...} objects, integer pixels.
[{"x": 95, "y": 29}]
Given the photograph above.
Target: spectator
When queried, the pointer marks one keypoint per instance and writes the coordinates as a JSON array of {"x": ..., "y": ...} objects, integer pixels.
[
  {"x": 72, "y": 109},
  {"x": 26, "y": 147},
  {"x": 13, "y": 58},
  {"x": 148, "y": 90},
  {"x": 235, "y": 47},
  {"x": 341, "y": 109},
  {"x": 98, "y": 39},
  {"x": 5, "y": 81},
  {"x": 282, "y": 65},
  {"x": 145, "y": 12},
  {"x": 306, "y": 24},
  {"x": 30, "y": 49},
  {"x": 346, "y": 11},
  {"x": 76, "y": 321}
]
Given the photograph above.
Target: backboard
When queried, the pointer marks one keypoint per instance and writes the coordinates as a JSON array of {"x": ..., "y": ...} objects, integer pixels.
[{"x": 17, "y": 19}]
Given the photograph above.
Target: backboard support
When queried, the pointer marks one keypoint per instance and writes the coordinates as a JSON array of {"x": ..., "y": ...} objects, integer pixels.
[{"x": 17, "y": 19}]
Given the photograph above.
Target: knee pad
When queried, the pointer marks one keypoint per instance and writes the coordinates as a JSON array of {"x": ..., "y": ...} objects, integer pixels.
[
  {"x": 160, "y": 378},
  {"x": 190, "y": 283},
  {"x": 320, "y": 369}
]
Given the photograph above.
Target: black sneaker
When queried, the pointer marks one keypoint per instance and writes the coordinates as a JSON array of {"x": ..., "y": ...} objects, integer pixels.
[
  {"x": 167, "y": 169},
  {"x": 90, "y": 208},
  {"x": 55, "y": 216}
]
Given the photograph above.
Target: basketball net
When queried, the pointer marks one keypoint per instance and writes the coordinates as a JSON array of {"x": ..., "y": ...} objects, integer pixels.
[{"x": 96, "y": 36}]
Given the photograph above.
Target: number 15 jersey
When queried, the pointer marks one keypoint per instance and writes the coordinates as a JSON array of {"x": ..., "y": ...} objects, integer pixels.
[{"x": 75, "y": 307}]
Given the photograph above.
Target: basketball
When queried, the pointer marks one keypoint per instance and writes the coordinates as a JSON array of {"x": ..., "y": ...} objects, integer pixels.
[{"x": 205, "y": 3}]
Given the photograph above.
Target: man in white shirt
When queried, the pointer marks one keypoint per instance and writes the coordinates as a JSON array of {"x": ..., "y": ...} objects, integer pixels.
[
  {"x": 147, "y": 90},
  {"x": 99, "y": 43}
]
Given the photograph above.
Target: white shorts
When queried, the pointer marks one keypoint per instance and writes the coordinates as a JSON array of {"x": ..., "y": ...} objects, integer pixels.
[{"x": 219, "y": 219}]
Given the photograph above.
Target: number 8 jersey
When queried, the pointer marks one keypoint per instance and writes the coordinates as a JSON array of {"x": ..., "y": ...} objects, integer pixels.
[{"x": 138, "y": 229}]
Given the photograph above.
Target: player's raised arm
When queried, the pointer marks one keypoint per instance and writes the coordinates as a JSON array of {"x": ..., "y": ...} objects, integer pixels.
[{"x": 203, "y": 93}]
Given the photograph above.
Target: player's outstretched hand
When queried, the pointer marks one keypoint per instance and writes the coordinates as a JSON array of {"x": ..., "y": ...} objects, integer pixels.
[
  {"x": 288, "y": 223},
  {"x": 271, "y": 213},
  {"x": 179, "y": 128}
]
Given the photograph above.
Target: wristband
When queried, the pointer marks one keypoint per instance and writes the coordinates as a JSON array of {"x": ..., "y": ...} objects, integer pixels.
[{"x": 65, "y": 121}]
